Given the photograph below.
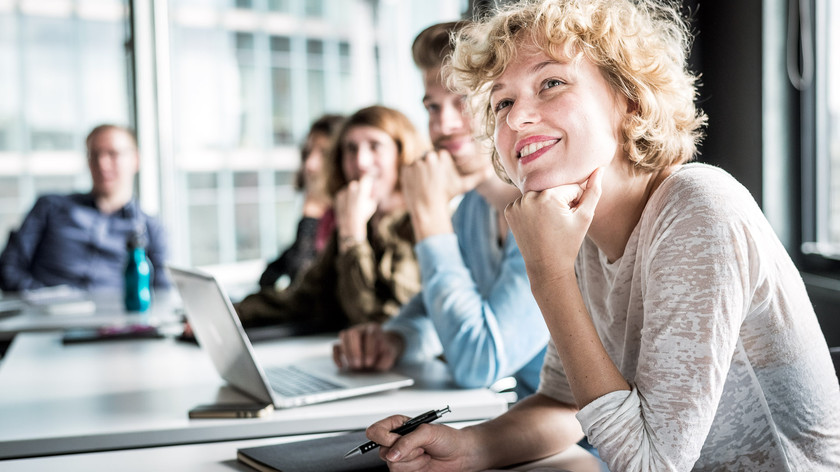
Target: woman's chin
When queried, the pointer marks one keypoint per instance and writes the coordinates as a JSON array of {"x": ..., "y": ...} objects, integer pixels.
[
  {"x": 537, "y": 185},
  {"x": 545, "y": 182}
]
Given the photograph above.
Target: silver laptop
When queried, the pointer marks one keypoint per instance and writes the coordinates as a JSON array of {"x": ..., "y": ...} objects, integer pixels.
[{"x": 220, "y": 334}]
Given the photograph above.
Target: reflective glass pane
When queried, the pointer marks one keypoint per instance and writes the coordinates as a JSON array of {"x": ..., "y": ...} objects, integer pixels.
[
  {"x": 281, "y": 89},
  {"x": 202, "y": 208},
  {"x": 104, "y": 86},
  {"x": 202, "y": 180},
  {"x": 247, "y": 215},
  {"x": 206, "y": 92},
  {"x": 204, "y": 234},
  {"x": 315, "y": 47},
  {"x": 246, "y": 180},
  {"x": 282, "y": 6},
  {"x": 50, "y": 95},
  {"x": 832, "y": 118},
  {"x": 314, "y": 8},
  {"x": 284, "y": 178},
  {"x": 8, "y": 187},
  {"x": 9, "y": 88},
  {"x": 249, "y": 132},
  {"x": 53, "y": 184},
  {"x": 315, "y": 78},
  {"x": 288, "y": 215},
  {"x": 247, "y": 231},
  {"x": 280, "y": 44},
  {"x": 10, "y": 217}
]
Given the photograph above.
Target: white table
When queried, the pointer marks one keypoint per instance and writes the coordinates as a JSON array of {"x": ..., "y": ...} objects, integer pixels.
[
  {"x": 221, "y": 457},
  {"x": 109, "y": 310},
  {"x": 57, "y": 399}
]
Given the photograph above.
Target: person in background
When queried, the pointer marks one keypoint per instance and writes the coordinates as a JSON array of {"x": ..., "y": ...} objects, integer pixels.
[
  {"x": 682, "y": 334},
  {"x": 368, "y": 269},
  {"x": 79, "y": 240},
  {"x": 313, "y": 230},
  {"x": 475, "y": 307}
]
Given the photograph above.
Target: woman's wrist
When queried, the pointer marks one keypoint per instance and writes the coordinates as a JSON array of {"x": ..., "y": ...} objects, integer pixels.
[
  {"x": 396, "y": 341},
  {"x": 476, "y": 457},
  {"x": 431, "y": 223},
  {"x": 346, "y": 242}
]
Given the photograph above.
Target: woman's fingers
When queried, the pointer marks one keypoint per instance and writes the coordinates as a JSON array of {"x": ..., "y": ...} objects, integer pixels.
[
  {"x": 592, "y": 193},
  {"x": 549, "y": 226}
]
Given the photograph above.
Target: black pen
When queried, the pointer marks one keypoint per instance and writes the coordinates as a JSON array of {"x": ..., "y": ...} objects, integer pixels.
[{"x": 406, "y": 428}]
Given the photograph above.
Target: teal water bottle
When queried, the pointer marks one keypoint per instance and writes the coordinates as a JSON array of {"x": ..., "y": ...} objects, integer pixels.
[{"x": 138, "y": 275}]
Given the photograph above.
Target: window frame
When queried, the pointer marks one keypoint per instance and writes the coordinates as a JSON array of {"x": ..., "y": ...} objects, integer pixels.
[{"x": 815, "y": 185}]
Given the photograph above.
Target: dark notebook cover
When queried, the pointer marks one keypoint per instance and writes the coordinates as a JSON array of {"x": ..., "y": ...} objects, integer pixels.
[{"x": 314, "y": 455}]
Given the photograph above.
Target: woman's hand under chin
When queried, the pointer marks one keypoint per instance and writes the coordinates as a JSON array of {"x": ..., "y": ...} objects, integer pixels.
[
  {"x": 354, "y": 207},
  {"x": 549, "y": 226}
]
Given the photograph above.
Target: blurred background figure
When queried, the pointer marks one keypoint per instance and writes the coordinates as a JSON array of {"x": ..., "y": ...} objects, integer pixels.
[
  {"x": 80, "y": 239},
  {"x": 313, "y": 229},
  {"x": 368, "y": 269}
]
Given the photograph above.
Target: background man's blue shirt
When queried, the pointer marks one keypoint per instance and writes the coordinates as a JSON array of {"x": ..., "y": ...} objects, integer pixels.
[{"x": 66, "y": 240}]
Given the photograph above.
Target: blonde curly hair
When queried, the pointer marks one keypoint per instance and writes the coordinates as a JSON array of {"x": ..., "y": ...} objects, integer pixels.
[{"x": 640, "y": 47}]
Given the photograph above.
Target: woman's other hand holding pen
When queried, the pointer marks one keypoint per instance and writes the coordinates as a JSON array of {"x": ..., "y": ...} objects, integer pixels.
[
  {"x": 367, "y": 347},
  {"x": 429, "y": 447},
  {"x": 514, "y": 437}
]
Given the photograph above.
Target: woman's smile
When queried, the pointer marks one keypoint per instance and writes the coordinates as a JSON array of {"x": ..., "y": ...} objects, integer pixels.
[{"x": 529, "y": 149}]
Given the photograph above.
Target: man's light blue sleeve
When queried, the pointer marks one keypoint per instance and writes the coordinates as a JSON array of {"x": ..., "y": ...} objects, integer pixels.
[
  {"x": 486, "y": 334},
  {"x": 421, "y": 340}
]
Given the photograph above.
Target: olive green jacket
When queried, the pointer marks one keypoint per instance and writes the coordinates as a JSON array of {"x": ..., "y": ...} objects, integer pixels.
[{"x": 368, "y": 282}]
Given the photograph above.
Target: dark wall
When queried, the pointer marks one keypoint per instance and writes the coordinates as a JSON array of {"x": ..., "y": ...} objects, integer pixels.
[
  {"x": 823, "y": 293},
  {"x": 727, "y": 53}
]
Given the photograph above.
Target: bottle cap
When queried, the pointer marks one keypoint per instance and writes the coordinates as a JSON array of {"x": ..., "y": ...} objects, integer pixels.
[{"x": 137, "y": 239}]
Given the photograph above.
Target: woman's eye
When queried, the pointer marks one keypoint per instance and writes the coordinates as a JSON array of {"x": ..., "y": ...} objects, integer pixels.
[
  {"x": 502, "y": 104},
  {"x": 552, "y": 83}
]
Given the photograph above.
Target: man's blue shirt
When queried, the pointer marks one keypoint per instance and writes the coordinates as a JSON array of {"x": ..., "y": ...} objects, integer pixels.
[
  {"x": 476, "y": 306},
  {"x": 66, "y": 240}
]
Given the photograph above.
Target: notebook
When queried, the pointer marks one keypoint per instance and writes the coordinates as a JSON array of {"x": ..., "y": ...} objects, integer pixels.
[
  {"x": 220, "y": 334},
  {"x": 315, "y": 455}
]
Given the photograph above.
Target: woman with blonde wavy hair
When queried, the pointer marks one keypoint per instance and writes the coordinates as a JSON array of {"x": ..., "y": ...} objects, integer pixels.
[{"x": 682, "y": 335}]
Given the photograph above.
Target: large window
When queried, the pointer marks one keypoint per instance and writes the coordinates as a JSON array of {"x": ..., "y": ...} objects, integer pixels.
[
  {"x": 821, "y": 132},
  {"x": 63, "y": 70},
  {"x": 221, "y": 93},
  {"x": 247, "y": 79}
]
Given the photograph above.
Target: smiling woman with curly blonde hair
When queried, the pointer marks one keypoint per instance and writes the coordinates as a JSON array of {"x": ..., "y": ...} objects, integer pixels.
[
  {"x": 682, "y": 337},
  {"x": 640, "y": 49}
]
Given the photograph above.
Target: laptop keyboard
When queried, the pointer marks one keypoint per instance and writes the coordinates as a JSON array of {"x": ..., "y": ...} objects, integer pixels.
[{"x": 291, "y": 381}]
